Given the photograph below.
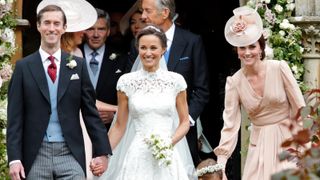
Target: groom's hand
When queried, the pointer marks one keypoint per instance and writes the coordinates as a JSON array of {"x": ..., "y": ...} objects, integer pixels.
[
  {"x": 16, "y": 171},
  {"x": 99, "y": 165}
]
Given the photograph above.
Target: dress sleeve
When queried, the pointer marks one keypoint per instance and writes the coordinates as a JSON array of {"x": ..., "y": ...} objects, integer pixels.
[
  {"x": 232, "y": 122},
  {"x": 181, "y": 84},
  {"x": 292, "y": 89},
  {"x": 123, "y": 84}
]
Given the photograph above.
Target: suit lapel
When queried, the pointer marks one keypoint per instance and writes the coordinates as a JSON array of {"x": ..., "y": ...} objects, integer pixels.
[
  {"x": 64, "y": 76},
  {"x": 38, "y": 73},
  {"x": 176, "y": 49},
  {"x": 105, "y": 70}
]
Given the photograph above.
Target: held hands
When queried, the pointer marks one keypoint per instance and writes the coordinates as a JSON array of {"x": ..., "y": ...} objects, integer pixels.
[
  {"x": 99, "y": 165},
  {"x": 16, "y": 171}
]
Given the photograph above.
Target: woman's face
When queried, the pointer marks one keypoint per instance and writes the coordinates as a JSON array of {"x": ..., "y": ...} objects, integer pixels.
[
  {"x": 136, "y": 23},
  {"x": 78, "y": 36},
  {"x": 249, "y": 55},
  {"x": 150, "y": 52}
]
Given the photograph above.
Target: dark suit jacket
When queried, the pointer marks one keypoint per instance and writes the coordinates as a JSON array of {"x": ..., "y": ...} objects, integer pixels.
[
  {"x": 108, "y": 77},
  {"x": 187, "y": 57},
  {"x": 29, "y": 110}
]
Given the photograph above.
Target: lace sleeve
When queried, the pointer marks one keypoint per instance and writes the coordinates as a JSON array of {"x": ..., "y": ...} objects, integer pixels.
[
  {"x": 123, "y": 84},
  {"x": 181, "y": 84}
]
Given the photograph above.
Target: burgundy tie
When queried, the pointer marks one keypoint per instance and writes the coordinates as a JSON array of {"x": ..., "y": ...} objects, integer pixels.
[{"x": 52, "y": 69}]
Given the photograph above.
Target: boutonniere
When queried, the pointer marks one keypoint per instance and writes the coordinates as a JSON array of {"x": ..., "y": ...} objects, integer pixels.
[
  {"x": 113, "y": 56},
  {"x": 71, "y": 62}
]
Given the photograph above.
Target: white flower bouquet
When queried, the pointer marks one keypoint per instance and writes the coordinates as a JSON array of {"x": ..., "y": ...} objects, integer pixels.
[{"x": 161, "y": 149}]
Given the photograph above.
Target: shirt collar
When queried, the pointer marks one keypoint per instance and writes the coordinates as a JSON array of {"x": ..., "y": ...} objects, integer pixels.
[
  {"x": 169, "y": 34},
  {"x": 44, "y": 55}
]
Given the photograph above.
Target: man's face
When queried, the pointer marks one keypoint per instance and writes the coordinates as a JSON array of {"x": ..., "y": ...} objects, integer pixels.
[
  {"x": 51, "y": 28},
  {"x": 97, "y": 34},
  {"x": 150, "y": 13}
]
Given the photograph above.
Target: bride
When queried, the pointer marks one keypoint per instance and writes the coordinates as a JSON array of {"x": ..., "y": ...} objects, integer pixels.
[{"x": 152, "y": 108}]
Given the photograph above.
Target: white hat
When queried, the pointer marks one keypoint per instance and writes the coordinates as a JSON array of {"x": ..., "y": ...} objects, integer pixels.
[
  {"x": 124, "y": 22},
  {"x": 244, "y": 28},
  {"x": 80, "y": 14}
]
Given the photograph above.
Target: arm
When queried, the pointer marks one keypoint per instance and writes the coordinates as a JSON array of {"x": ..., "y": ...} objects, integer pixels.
[
  {"x": 106, "y": 111},
  {"x": 116, "y": 132},
  {"x": 292, "y": 89},
  {"x": 232, "y": 122},
  {"x": 182, "y": 108}
]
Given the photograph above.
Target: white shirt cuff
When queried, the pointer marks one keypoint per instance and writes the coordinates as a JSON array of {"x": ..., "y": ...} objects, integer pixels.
[{"x": 14, "y": 161}]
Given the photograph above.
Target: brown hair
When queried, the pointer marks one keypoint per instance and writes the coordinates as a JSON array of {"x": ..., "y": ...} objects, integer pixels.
[
  {"x": 67, "y": 42},
  {"x": 51, "y": 8},
  {"x": 152, "y": 30}
]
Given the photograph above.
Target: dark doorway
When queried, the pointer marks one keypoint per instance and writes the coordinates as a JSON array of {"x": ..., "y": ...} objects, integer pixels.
[{"x": 204, "y": 17}]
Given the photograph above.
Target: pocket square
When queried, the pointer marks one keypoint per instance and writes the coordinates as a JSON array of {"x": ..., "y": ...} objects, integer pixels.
[
  {"x": 184, "y": 58},
  {"x": 118, "y": 71},
  {"x": 74, "y": 77}
]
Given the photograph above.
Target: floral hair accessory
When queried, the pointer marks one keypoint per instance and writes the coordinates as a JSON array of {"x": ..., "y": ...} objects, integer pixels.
[
  {"x": 244, "y": 28},
  {"x": 71, "y": 62}
]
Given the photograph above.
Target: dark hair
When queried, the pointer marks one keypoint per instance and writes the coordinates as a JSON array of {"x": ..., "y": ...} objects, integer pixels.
[
  {"x": 262, "y": 43},
  {"x": 153, "y": 30},
  {"x": 103, "y": 14},
  {"x": 51, "y": 8}
]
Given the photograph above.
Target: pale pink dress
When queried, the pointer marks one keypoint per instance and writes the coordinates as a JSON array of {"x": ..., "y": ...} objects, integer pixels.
[{"x": 268, "y": 114}]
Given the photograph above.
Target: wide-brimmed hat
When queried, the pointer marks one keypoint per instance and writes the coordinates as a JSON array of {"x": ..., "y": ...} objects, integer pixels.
[
  {"x": 244, "y": 28},
  {"x": 124, "y": 22},
  {"x": 80, "y": 14}
]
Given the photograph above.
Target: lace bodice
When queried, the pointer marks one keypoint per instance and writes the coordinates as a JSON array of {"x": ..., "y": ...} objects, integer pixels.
[{"x": 152, "y": 98}]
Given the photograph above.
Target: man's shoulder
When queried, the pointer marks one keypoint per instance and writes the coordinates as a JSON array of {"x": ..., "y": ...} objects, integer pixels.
[{"x": 184, "y": 32}]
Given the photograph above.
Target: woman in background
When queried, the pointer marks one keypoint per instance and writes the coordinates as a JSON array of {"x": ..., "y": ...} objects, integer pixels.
[{"x": 267, "y": 91}]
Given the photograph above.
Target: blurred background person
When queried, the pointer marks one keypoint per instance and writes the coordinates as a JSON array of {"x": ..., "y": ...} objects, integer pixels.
[
  {"x": 131, "y": 23},
  {"x": 105, "y": 65}
]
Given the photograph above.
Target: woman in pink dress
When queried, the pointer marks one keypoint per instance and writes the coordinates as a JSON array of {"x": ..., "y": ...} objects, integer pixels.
[{"x": 266, "y": 90}]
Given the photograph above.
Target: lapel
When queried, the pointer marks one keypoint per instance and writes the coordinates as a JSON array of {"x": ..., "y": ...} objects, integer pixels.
[
  {"x": 38, "y": 73},
  {"x": 105, "y": 71},
  {"x": 177, "y": 47},
  {"x": 64, "y": 76}
]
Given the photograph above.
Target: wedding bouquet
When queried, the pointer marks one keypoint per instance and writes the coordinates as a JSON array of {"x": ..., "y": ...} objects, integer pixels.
[{"x": 161, "y": 149}]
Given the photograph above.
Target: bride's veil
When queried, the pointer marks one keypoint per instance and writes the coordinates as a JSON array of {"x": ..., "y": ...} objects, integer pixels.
[{"x": 119, "y": 153}]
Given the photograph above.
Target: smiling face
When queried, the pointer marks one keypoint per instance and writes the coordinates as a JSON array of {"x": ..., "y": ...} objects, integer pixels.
[
  {"x": 51, "y": 28},
  {"x": 250, "y": 55},
  {"x": 97, "y": 34},
  {"x": 150, "y": 52}
]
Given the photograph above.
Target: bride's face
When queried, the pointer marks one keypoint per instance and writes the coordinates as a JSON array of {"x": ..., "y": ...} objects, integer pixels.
[{"x": 150, "y": 52}]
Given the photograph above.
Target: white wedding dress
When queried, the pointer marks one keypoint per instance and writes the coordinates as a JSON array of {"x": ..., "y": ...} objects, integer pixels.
[{"x": 152, "y": 110}]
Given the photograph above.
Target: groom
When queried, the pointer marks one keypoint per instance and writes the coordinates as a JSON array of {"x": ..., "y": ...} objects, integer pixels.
[{"x": 46, "y": 93}]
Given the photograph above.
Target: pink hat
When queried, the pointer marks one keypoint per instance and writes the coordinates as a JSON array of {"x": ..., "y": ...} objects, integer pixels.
[{"x": 244, "y": 28}]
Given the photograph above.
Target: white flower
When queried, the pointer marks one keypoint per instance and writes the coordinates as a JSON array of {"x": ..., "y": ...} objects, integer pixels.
[
  {"x": 113, "y": 56},
  {"x": 294, "y": 68},
  {"x": 289, "y": 1},
  {"x": 161, "y": 149},
  {"x": 278, "y": 8},
  {"x": 72, "y": 64},
  {"x": 282, "y": 33},
  {"x": 210, "y": 169},
  {"x": 290, "y": 7}
]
